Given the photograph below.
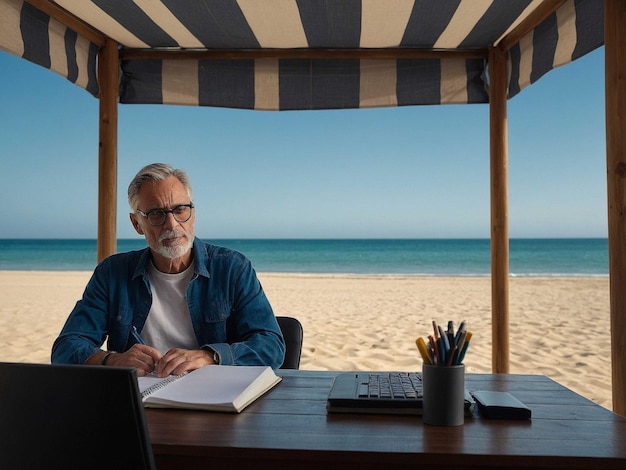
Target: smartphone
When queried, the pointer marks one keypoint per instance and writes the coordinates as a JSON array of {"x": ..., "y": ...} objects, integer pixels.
[{"x": 500, "y": 405}]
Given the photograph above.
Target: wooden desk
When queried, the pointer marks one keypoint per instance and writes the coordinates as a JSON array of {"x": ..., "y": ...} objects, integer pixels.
[{"x": 290, "y": 428}]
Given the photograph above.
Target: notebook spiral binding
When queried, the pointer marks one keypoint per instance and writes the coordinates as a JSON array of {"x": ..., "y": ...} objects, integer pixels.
[{"x": 159, "y": 385}]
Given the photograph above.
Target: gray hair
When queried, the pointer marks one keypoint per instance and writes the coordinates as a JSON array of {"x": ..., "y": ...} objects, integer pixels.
[{"x": 155, "y": 172}]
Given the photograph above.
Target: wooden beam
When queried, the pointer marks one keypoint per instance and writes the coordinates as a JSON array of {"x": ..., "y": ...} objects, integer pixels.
[
  {"x": 108, "y": 75},
  {"x": 240, "y": 54},
  {"x": 615, "y": 96},
  {"x": 533, "y": 20},
  {"x": 64, "y": 17},
  {"x": 499, "y": 211}
]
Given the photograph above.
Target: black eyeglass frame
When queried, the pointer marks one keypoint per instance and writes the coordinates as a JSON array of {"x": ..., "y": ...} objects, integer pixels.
[{"x": 168, "y": 211}]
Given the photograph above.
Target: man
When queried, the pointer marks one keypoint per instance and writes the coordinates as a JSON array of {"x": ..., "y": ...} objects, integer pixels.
[{"x": 175, "y": 306}]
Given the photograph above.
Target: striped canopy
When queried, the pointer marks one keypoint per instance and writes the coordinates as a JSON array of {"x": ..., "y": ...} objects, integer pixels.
[{"x": 302, "y": 54}]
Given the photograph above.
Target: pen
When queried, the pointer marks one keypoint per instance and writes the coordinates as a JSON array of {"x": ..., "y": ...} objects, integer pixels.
[
  {"x": 460, "y": 331},
  {"x": 451, "y": 342},
  {"x": 451, "y": 356},
  {"x": 436, "y": 330},
  {"x": 462, "y": 353},
  {"x": 451, "y": 336},
  {"x": 460, "y": 345},
  {"x": 136, "y": 335},
  {"x": 441, "y": 347},
  {"x": 421, "y": 345},
  {"x": 444, "y": 337},
  {"x": 433, "y": 346}
]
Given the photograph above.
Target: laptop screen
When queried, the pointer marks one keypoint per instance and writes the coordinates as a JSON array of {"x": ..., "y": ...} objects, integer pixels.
[{"x": 71, "y": 416}]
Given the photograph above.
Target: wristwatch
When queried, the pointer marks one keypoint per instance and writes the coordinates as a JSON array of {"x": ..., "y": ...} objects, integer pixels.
[{"x": 216, "y": 357}]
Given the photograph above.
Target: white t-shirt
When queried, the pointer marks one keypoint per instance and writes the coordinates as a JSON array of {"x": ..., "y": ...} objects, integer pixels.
[{"x": 169, "y": 323}]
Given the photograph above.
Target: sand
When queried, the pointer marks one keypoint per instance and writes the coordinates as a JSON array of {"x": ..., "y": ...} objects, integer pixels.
[{"x": 559, "y": 326}]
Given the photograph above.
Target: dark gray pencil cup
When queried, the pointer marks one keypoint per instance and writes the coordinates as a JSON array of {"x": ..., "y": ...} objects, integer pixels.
[{"x": 444, "y": 395}]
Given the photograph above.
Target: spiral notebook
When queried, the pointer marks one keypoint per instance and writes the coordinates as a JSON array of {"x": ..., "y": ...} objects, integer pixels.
[{"x": 210, "y": 388}]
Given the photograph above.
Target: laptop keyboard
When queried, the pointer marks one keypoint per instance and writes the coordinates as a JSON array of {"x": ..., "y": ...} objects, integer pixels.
[{"x": 391, "y": 385}]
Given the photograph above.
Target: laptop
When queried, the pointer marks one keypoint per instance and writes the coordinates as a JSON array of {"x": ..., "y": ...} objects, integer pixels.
[
  {"x": 71, "y": 416},
  {"x": 381, "y": 392}
]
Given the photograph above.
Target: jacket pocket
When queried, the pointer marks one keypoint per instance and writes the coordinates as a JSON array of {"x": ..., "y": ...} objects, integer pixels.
[{"x": 214, "y": 321}]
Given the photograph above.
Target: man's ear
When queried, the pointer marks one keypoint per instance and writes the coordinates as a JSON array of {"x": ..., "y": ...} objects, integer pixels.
[{"x": 135, "y": 222}]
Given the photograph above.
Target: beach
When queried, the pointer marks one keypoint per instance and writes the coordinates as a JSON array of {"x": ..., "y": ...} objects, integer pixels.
[{"x": 559, "y": 326}]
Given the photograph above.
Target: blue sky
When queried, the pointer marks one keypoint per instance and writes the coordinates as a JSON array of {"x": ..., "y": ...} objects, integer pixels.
[{"x": 411, "y": 172}]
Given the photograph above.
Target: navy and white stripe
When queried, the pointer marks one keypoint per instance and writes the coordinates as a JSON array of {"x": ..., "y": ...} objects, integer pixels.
[
  {"x": 573, "y": 30},
  {"x": 27, "y": 32},
  {"x": 576, "y": 29}
]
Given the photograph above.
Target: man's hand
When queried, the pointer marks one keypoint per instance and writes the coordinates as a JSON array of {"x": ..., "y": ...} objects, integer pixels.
[
  {"x": 143, "y": 358},
  {"x": 176, "y": 361}
]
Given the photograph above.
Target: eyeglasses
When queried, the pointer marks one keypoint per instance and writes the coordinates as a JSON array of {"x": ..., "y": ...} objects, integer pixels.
[{"x": 156, "y": 217}]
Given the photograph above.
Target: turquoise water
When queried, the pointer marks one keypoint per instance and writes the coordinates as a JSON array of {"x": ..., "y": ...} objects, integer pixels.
[{"x": 431, "y": 257}]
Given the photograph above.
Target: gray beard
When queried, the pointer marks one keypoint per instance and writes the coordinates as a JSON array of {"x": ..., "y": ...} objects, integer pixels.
[{"x": 173, "y": 252}]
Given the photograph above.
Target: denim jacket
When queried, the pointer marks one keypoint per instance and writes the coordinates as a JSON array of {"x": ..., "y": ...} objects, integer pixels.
[{"x": 229, "y": 311}]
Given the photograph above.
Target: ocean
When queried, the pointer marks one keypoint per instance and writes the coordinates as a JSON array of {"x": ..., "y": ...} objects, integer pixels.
[{"x": 569, "y": 257}]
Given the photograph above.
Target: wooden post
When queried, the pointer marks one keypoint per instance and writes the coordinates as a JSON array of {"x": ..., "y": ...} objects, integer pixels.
[
  {"x": 499, "y": 211},
  {"x": 615, "y": 96},
  {"x": 108, "y": 76}
]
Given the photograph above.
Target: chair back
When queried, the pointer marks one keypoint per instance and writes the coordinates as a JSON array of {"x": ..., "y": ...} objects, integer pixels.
[{"x": 293, "y": 334}]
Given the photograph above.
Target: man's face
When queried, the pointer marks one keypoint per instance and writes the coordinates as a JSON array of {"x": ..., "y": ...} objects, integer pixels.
[{"x": 173, "y": 239}]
